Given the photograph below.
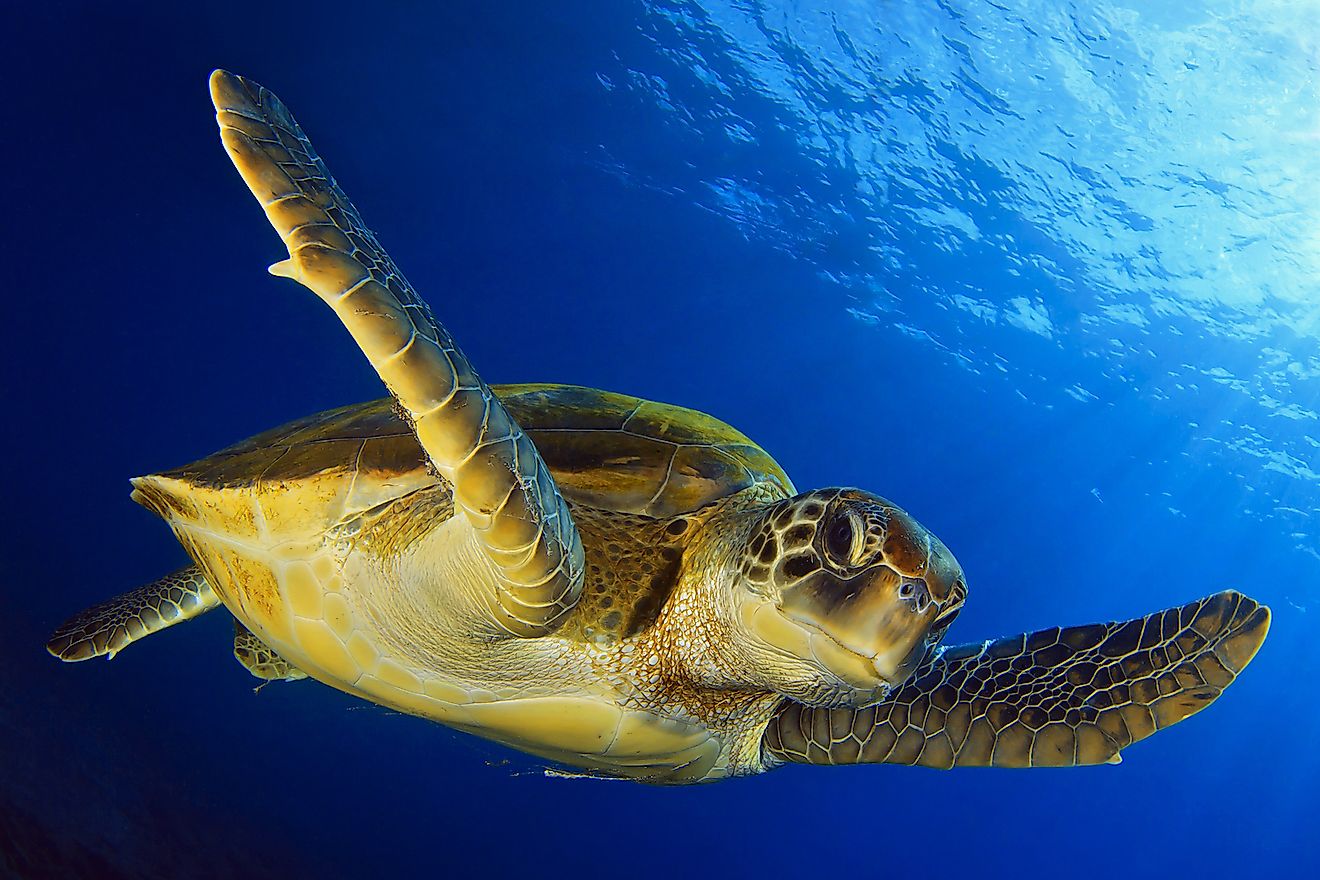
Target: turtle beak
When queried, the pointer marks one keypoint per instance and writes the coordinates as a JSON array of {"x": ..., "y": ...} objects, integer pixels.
[{"x": 897, "y": 663}]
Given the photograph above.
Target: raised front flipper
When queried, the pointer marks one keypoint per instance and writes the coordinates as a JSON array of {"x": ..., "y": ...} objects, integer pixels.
[
  {"x": 261, "y": 659},
  {"x": 500, "y": 482},
  {"x": 105, "y": 629},
  {"x": 1055, "y": 698}
]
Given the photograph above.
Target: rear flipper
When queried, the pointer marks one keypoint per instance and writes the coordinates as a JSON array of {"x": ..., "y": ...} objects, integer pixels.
[
  {"x": 107, "y": 628},
  {"x": 260, "y": 659},
  {"x": 1056, "y": 698}
]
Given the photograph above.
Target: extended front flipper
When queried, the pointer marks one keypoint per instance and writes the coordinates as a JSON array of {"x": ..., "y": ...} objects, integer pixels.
[
  {"x": 1056, "y": 698},
  {"x": 107, "y": 628},
  {"x": 500, "y": 482},
  {"x": 261, "y": 659}
]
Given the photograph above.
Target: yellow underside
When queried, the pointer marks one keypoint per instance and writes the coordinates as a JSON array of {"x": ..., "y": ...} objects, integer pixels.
[{"x": 307, "y": 593}]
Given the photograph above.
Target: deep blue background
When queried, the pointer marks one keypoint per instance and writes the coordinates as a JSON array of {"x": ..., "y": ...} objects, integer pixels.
[{"x": 581, "y": 202}]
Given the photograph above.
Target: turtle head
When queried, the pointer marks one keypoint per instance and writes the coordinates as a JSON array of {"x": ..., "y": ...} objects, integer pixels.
[{"x": 844, "y": 595}]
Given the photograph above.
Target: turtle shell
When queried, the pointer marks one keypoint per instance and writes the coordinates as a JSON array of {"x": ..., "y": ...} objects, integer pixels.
[{"x": 609, "y": 451}]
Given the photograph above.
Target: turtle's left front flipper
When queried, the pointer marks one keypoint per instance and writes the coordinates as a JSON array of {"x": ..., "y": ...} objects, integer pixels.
[
  {"x": 1055, "y": 698},
  {"x": 501, "y": 485}
]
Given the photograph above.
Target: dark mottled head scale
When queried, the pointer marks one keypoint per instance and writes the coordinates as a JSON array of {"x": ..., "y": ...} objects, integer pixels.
[
  {"x": 783, "y": 546},
  {"x": 789, "y": 542},
  {"x": 841, "y": 530}
]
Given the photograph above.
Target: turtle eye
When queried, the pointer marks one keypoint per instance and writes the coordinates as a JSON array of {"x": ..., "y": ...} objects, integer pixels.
[{"x": 843, "y": 538}]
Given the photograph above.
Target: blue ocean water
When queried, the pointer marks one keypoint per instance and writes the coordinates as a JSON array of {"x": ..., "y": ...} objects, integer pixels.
[{"x": 1044, "y": 273}]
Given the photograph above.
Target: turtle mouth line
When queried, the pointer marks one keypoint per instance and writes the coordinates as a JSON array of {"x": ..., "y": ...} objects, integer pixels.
[{"x": 868, "y": 657}]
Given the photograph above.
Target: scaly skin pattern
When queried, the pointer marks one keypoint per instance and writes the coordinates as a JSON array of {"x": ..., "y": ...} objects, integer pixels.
[
  {"x": 260, "y": 659},
  {"x": 107, "y": 628},
  {"x": 1055, "y": 698}
]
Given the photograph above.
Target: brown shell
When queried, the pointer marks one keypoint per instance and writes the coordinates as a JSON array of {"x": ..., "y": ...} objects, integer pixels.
[{"x": 606, "y": 450}]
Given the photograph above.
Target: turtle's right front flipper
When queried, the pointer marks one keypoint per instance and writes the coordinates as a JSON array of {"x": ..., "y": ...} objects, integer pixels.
[
  {"x": 1055, "y": 698},
  {"x": 107, "y": 628},
  {"x": 500, "y": 482},
  {"x": 260, "y": 659}
]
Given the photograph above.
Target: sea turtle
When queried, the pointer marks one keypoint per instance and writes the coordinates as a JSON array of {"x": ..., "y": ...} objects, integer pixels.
[{"x": 624, "y": 587}]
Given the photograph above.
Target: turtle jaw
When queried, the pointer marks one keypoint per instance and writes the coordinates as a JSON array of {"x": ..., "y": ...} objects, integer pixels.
[
  {"x": 818, "y": 665},
  {"x": 880, "y": 617},
  {"x": 896, "y": 663},
  {"x": 863, "y": 668}
]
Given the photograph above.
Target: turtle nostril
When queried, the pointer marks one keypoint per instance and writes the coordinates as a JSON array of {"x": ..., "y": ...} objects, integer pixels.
[{"x": 914, "y": 592}]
